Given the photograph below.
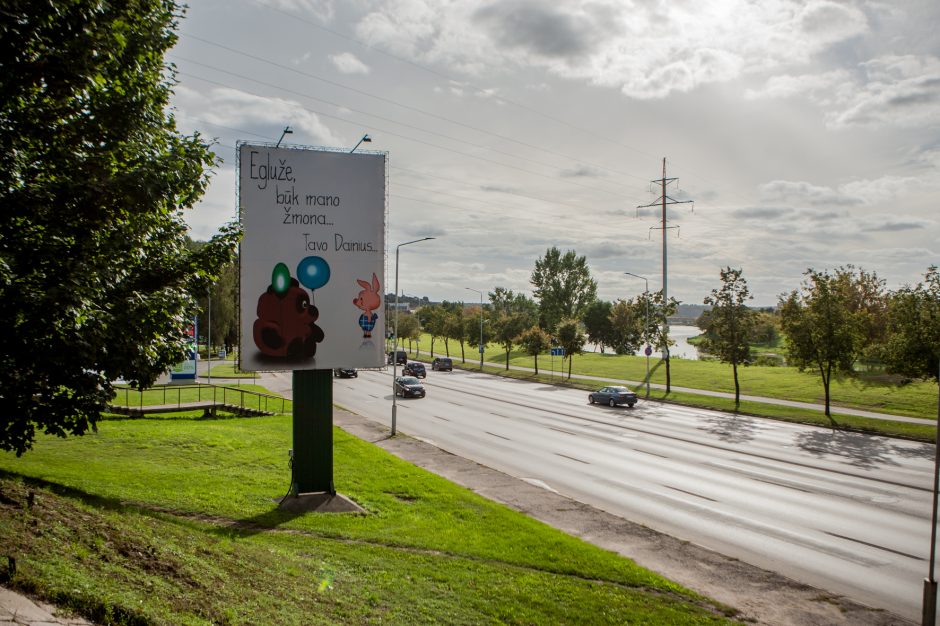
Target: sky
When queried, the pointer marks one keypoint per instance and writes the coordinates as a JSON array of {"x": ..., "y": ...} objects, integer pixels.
[{"x": 805, "y": 133}]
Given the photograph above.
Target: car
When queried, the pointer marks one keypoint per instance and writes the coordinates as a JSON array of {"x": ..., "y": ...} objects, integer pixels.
[
  {"x": 441, "y": 364},
  {"x": 409, "y": 387},
  {"x": 401, "y": 357},
  {"x": 612, "y": 396},
  {"x": 414, "y": 369},
  {"x": 345, "y": 372}
]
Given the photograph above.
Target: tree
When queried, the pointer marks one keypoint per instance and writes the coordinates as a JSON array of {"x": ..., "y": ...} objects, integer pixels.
[
  {"x": 409, "y": 327},
  {"x": 455, "y": 327},
  {"x": 563, "y": 287},
  {"x": 766, "y": 329},
  {"x": 828, "y": 323},
  {"x": 730, "y": 324},
  {"x": 912, "y": 347},
  {"x": 95, "y": 276},
  {"x": 433, "y": 319},
  {"x": 507, "y": 327},
  {"x": 597, "y": 323},
  {"x": 223, "y": 294},
  {"x": 570, "y": 338},
  {"x": 626, "y": 321},
  {"x": 657, "y": 330},
  {"x": 535, "y": 341}
]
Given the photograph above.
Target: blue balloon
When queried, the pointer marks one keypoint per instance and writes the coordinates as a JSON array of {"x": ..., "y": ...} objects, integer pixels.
[{"x": 313, "y": 272}]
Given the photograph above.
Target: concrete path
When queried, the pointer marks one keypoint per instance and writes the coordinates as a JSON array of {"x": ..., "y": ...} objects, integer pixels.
[{"x": 15, "y": 608}]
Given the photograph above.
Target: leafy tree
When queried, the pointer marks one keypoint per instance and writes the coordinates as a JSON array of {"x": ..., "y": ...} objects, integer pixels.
[
  {"x": 535, "y": 341},
  {"x": 409, "y": 327},
  {"x": 657, "y": 331},
  {"x": 912, "y": 347},
  {"x": 472, "y": 327},
  {"x": 766, "y": 331},
  {"x": 597, "y": 323},
  {"x": 95, "y": 276},
  {"x": 504, "y": 301},
  {"x": 563, "y": 287},
  {"x": 730, "y": 324},
  {"x": 455, "y": 327},
  {"x": 507, "y": 327},
  {"x": 223, "y": 294},
  {"x": 626, "y": 321},
  {"x": 570, "y": 338},
  {"x": 828, "y": 323},
  {"x": 433, "y": 319}
]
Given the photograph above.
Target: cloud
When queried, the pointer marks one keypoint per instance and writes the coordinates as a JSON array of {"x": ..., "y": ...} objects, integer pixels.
[
  {"x": 647, "y": 50},
  {"x": 238, "y": 109},
  {"x": 889, "y": 90},
  {"x": 544, "y": 29},
  {"x": 581, "y": 171},
  {"x": 323, "y": 10},
  {"x": 890, "y": 223},
  {"x": 349, "y": 63},
  {"x": 865, "y": 192},
  {"x": 803, "y": 193},
  {"x": 762, "y": 213}
]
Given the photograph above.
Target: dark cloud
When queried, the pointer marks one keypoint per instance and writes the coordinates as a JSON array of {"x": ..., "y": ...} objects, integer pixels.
[
  {"x": 422, "y": 230},
  {"x": 581, "y": 171},
  {"x": 498, "y": 189},
  {"x": 894, "y": 226},
  {"x": 542, "y": 29}
]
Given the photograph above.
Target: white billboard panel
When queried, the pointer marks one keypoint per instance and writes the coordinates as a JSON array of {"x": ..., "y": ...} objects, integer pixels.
[{"x": 312, "y": 258}]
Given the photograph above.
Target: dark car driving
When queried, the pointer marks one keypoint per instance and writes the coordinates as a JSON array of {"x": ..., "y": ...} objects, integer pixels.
[
  {"x": 612, "y": 396},
  {"x": 409, "y": 387},
  {"x": 345, "y": 372},
  {"x": 441, "y": 364},
  {"x": 414, "y": 369},
  {"x": 401, "y": 357}
]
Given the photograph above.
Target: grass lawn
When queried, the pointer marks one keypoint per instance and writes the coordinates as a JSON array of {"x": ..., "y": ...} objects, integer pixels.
[
  {"x": 916, "y": 399},
  {"x": 174, "y": 521}
]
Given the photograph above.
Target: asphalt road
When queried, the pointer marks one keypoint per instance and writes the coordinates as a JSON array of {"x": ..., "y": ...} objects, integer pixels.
[{"x": 845, "y": 512}]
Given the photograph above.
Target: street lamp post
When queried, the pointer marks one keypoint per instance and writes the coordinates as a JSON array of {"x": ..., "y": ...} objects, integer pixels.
[
  {"x": 481, "y": 324},
  {"x": 646, "y": 328},
  {"x": 287, "y": 131},
  {"x": 366, "y": 138},
  {"x": 395, "y": 342}
]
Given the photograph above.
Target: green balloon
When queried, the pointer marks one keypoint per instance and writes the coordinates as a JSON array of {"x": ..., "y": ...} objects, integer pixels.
[{"x": 280, "y": 278}]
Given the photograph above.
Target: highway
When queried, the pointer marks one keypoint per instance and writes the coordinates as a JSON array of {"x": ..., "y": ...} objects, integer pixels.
[{"x": 845, "y": 512}]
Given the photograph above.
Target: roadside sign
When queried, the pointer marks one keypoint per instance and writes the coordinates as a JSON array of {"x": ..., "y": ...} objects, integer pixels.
[
  {"x": 649, "y": 350},
  {"x": 558, "y": 352},
  {"x": 481, "y": 348}
]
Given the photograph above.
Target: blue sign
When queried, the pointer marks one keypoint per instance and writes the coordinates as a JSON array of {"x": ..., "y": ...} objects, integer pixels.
[{"x": 558, "y": 352}]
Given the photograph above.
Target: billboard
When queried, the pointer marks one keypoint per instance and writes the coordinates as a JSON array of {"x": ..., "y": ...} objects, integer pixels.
[{"x": 312, "y": 258}]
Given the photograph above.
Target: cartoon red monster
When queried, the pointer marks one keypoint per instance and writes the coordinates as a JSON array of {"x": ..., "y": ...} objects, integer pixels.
[{"x": 286, "y": 324}]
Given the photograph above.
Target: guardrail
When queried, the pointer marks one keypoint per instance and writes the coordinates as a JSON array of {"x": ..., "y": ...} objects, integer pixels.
[{"x": 161, "y": 399}]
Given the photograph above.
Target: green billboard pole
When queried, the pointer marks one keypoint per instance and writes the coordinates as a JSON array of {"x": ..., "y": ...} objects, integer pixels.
[{"x": 313, "y": 432}]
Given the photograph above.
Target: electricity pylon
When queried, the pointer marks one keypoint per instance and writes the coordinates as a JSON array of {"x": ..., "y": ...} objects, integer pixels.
[{"x": 664, "y": 201}]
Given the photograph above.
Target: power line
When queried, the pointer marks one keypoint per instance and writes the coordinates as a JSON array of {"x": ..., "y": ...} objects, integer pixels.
[
  {"x": 399, "y": 104},
  {"x": 399, "y": 135}
]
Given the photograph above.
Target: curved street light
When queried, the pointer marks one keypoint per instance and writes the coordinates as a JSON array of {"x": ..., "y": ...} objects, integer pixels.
[
  {"x": 365, "y": 138},
  {"x": 395, "y": 342}
]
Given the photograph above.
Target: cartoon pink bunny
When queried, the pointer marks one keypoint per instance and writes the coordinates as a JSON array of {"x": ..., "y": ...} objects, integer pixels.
[{"x": 369, "y": 300}]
